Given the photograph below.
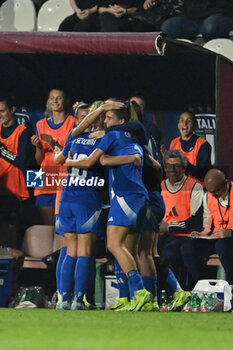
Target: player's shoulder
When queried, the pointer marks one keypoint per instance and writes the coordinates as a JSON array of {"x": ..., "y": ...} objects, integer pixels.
[
  {"x": 112, "y": 135},
  {"x": 42, "y": 121}
]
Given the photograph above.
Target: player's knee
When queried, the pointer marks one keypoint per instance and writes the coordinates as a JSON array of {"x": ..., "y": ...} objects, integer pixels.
[{"x": 113, "y": 247}]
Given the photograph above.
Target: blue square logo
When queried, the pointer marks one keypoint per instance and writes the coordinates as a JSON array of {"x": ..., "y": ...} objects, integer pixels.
[{"x": 35, "y": 178}]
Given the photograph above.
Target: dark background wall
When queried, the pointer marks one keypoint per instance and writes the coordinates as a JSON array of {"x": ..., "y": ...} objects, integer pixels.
[{"x": 172, "y": 82}]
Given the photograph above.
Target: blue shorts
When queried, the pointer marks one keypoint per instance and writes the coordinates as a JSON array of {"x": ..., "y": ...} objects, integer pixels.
[
  {"x": 46, "y": 200},
  {"x": 155, "y": 212},
  {"x": 79, "y": 218},
  {"x": 59, "y": 229},
  {"x": 127, "y": 211}
]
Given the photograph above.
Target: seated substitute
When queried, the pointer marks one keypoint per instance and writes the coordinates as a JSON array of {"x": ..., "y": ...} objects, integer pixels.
[
  {"x": 217, "y": 210},
  {"x": 183, "y": 198},
  {"x": 14, "y": 153}
]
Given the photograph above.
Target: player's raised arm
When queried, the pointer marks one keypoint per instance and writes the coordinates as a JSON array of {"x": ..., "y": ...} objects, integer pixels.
[{"x": 91, "y": 117}]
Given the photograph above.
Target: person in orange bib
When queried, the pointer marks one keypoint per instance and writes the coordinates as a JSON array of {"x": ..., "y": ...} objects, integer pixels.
[
  {"x": 196, "y": 150},
  {"x": 51, "y": 131},
  {"x": 183, "y": 201},
  {"x": 14, "y": 150},
  {"x": 218, "y": 212}
]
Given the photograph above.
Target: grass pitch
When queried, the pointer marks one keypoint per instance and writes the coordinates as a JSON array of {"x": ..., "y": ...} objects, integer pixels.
[{"x": 51, "y": 329}]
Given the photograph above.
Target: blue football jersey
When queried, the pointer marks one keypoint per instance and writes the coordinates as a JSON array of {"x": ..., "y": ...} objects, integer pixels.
[
  {"x": 79, "y": 181},
  {"x": 123, "y": 179}
]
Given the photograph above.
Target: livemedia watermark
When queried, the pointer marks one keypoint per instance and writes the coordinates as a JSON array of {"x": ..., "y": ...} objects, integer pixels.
[{"x": 55, "y": 180}]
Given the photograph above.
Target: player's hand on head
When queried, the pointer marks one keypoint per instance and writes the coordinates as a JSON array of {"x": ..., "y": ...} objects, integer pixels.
[
  {"x": 97, "y": 134},
  {"x": 112, "y": 105}
]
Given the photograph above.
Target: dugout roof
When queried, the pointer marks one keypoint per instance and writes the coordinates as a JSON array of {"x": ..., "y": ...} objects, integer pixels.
[{"x": 173, "y": 74}]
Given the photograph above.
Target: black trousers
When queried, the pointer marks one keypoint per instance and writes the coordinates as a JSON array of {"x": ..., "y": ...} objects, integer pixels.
[
  {"x": 73, "y": 24},
  {"x": 110, "y": 23}
]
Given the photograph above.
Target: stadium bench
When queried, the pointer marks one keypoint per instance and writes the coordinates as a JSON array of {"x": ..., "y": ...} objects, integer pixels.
[
  {"x": 39, "y": 241},
  {"x": 215, "y": 261}
]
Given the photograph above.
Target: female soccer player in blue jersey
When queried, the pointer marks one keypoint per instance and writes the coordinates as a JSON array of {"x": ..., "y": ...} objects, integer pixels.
[
  {"x": 155, "y": 211},
  {"x": 79, "y": 212},
  {"x": 128, "y": 198},
  {"x": 81, "y": 109}
]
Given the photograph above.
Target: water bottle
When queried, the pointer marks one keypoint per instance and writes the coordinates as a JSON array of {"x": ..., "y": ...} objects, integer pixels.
[
  {"x": 196, "y": 303},
  {"x": 215, "y": 304},
  {"x": 205, "y": 303}
]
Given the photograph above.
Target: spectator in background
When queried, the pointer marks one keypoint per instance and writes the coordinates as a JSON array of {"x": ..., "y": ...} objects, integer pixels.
[
  {"x": 84, "y": 19},
  {"x": 196, "y": 150},
  {"x": 183, "y": 198},
  {"x": 154, "y": 12},
  {"x": 115, "y": 15},
  {"x": 152, "y": 131},
  {"x": 210, "y": 18},
  {"x": 51, "y": 131}
]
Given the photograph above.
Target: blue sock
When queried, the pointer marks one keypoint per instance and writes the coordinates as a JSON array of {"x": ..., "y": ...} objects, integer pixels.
[
  {"x": 135, "y": 280},
  {"x": 149, "y": 283},
  {"x": 58, "y": 268},
  {"x": 81, "y": 277},
  {"x": 122, "y": 280},
  {"x": 131, "y": 291},
  {"x": 171, "y": 282},
  {"x": 67, "y": 277}
]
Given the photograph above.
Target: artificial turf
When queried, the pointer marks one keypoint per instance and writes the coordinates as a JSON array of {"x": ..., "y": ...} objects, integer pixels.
[{"x": 51, "y": 329}]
